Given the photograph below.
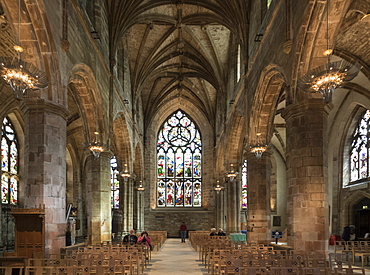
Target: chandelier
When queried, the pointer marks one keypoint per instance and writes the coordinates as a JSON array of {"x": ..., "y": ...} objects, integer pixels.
[
  {"x": 325, "y": 79},
  {"x": 20, "y": 75},
  {"x": 126, "y": 173},
  {"x": 258, "y": 149},
  {"x": 96, "y": 147}
]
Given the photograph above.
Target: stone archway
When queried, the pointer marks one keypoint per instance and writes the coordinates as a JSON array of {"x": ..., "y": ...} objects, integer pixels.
[{"x": 349, "y": 206}]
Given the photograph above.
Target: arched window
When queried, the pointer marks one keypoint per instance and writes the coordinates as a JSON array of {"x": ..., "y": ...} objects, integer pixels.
[
  {"x": 244, "y": 185},
  {"x": 114, "y": 183},
  {"x": 9, "y": 163},
  {"x": 238, "y": 64},
  {"x": 179, "y": 163},
  {"x": 359, "y": 155}
]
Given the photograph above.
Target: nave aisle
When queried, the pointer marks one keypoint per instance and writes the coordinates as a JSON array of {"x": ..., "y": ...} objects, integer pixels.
[{"x": 175, "y": 258}]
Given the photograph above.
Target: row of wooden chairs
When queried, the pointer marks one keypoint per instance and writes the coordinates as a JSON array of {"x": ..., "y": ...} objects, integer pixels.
[
  {"x": 352, "y": 249},
  {"x": 93, "y": 259}
]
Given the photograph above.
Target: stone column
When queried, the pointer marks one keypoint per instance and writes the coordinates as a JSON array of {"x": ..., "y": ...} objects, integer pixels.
[
  {"x": 99, "y": 194},
  {"x": 140, "y": 210},
  {"x": 130, "y": 202},
  {"x": 45, "y": 167},
  {"x": 259, "y": 198},
  {"x": 306, "y": 163},
  {"x": 127, "y": 204},
  {"x": 233, "y": 205},
  {"x": 219, "y": 209}
]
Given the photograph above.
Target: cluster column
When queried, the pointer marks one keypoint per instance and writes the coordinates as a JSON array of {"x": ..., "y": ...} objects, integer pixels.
[
  {"x": 127, "y": 204},
  {"x": 259, "y": 198},
  {"x": 306, "y": 163},
  {"x": 99, "y": 194},
  {"x": 44, "y": 181},
  {"x": 233, "y": 205}
]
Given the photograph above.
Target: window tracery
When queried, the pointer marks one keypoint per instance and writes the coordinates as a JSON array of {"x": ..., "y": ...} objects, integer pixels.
[
  {"x": 179, "y": 163},
  {"x": 359, "y": 152}
]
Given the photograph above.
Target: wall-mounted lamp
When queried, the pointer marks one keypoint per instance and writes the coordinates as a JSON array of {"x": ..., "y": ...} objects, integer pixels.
[
  {"x": 232, "y": 173},
  {"x": 218, "y": 188},
  {"x": 140, "y": 188}
]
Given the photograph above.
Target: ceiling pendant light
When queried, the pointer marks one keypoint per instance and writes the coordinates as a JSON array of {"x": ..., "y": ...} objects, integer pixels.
[
  {"x": 20, "y": 75},
  {"x": 96, "y": 147},
  {"x": 326, "y": 78},
  {"x": 259, "y": 148}
]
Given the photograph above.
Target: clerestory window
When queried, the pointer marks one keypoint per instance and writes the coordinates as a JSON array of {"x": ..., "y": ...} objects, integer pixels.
[
  {"x": 179, "y": 162},
  {"x": 9, "y": 163}
]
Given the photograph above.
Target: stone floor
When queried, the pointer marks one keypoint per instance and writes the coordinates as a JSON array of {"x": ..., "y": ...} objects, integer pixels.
[
  {"x": 175, "y": 258},
  {"x": 178, "y": 258}
]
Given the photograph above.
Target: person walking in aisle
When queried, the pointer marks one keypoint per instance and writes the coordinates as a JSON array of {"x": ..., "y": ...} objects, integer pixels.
[{"x": 183, "y": 229}]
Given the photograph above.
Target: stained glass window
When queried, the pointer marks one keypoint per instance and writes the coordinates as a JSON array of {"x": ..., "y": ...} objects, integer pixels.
[
  {"x": 244, "y": 185},
  {"x": 359, "y": 155},
  {"x": 9, "y": 163},
  {"x": 179, "y": 163},
  {"x": 114, "y": 183}
]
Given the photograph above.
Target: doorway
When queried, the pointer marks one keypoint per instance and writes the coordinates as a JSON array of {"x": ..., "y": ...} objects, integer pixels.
[{"x": 362, "y": 217}]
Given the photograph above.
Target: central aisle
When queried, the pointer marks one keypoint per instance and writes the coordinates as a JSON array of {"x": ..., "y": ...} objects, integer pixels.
[{"x": 175, "y": 258}]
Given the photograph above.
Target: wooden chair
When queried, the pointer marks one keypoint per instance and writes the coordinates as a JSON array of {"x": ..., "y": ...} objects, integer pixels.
[
  {"x": 39, "y": 270},
  {"x": 338, "y": 261},
  {"x": 349, "y": 271},
  {"x": 11, "y": 270}
]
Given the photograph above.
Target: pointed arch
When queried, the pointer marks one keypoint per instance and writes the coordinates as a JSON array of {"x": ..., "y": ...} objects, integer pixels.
[
  {"x": 265, "y": 102},
  {"x": 85, "y": 93},
  {"x": 122, "y": 142}
]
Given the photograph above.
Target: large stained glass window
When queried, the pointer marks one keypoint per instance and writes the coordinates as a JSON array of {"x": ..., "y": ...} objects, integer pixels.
[
  {"x": 244, "y": 185},
  {"x": 179, "y": 163},
  {"x": 114, "y": 183},
  {"x": 9, "y": 163},
  {"x": 359, "y": 155}
]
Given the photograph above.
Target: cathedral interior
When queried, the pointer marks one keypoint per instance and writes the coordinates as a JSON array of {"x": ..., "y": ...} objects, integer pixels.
[{"x": 141, "y": 114}]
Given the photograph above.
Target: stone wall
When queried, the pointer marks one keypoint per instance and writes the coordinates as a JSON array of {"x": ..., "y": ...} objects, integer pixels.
[{"x": 170, "y": 221}]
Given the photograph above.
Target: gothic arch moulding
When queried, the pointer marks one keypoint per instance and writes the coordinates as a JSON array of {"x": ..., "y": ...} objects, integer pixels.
[
  {"x": 265, "y": 102},
  {"x": 86, "y": 95},
  {"x": 122, "y": 142},
  {"x": 233, "y": 142},
  {"x": 348, "y": 204}
]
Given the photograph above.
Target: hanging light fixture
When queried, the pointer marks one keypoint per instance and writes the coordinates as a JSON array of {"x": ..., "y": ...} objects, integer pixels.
[
  {"x": 96, "y": 147},
  {"x": 218, "y": 188},
  {"x": 258, "y": 149},
  {"x": 140, "y": 187},
  {"x": 20, "y": 75},
  {"x": 232, "y": 174},
  {"x": 125, "y": 173},
  {"x": 326, "y": 78}
]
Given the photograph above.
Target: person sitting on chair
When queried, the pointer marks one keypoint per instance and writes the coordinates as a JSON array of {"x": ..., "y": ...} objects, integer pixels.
[{"x": 130, "y": 238}]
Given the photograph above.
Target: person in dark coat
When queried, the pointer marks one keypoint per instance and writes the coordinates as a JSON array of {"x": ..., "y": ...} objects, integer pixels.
[
  {"x": 221, "y": 232},
  {"x": 346, "y": 233}
]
